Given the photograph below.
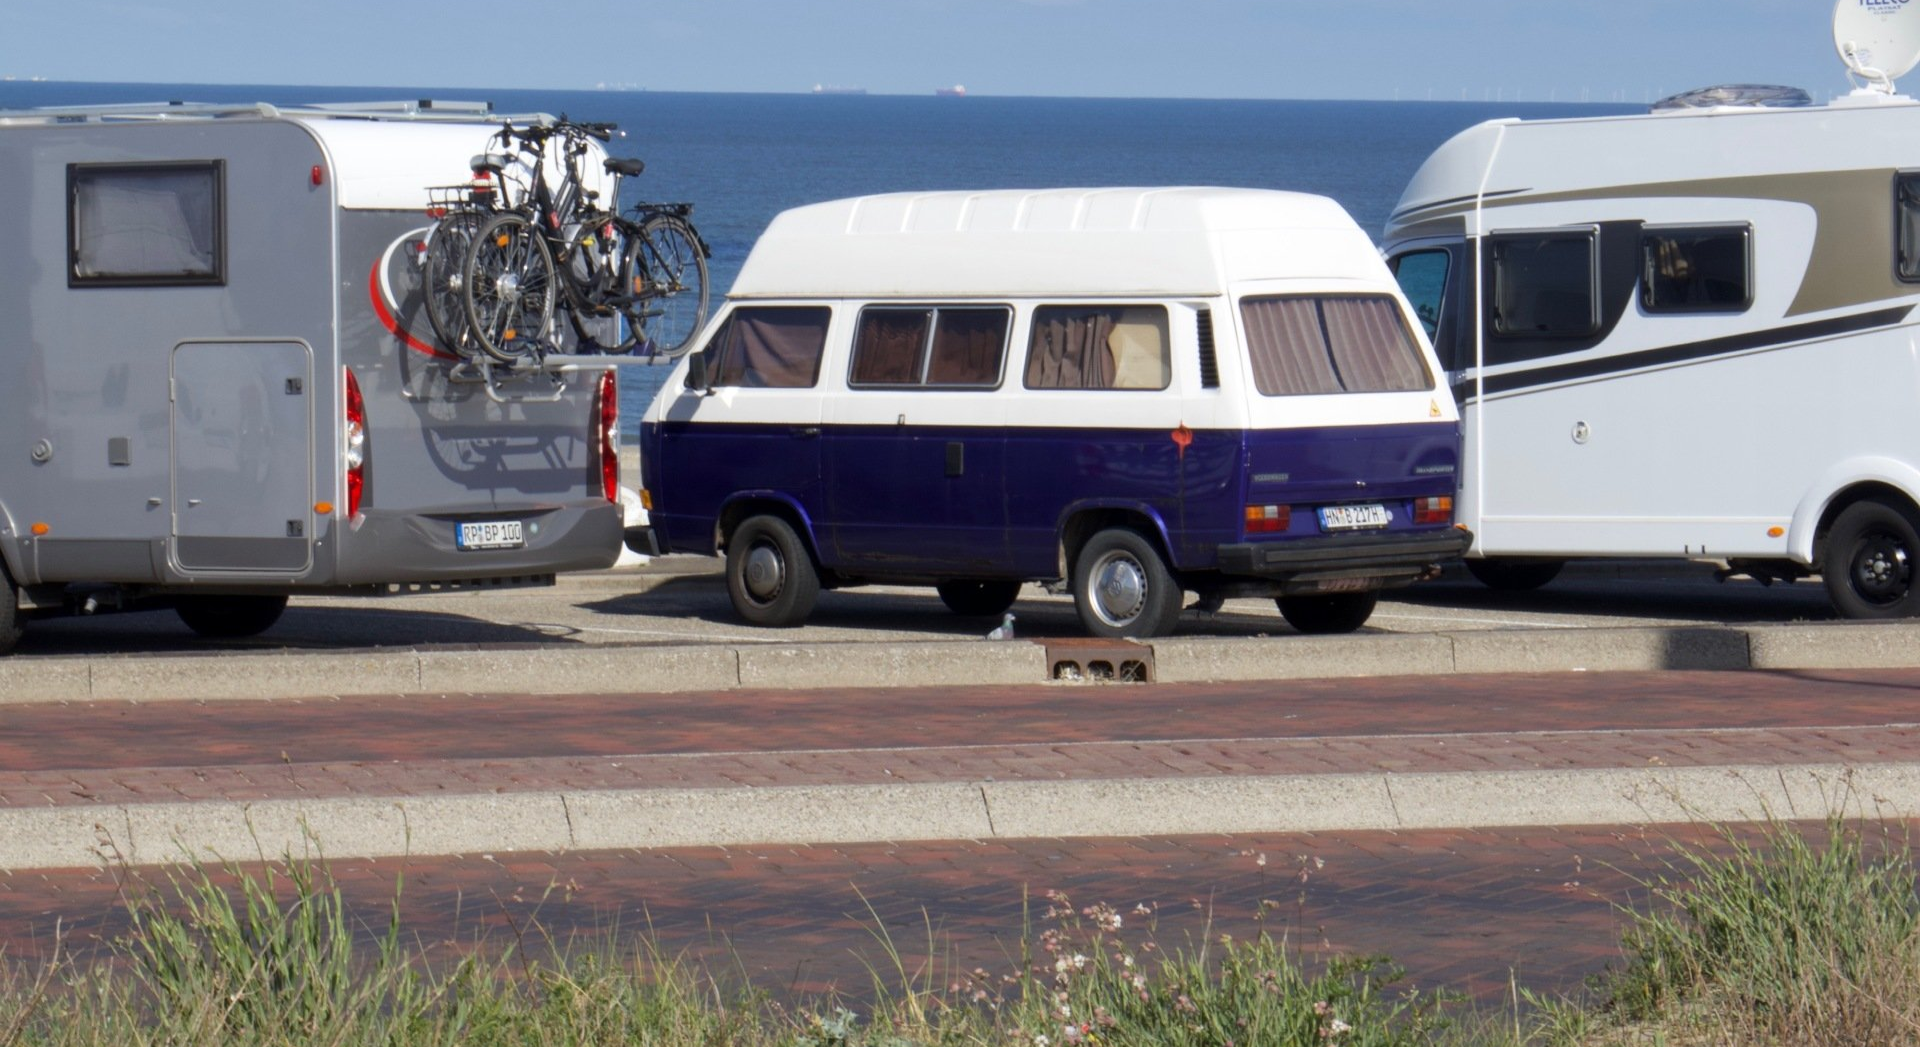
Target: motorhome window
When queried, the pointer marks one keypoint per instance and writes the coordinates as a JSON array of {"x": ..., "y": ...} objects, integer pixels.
[
  {"x": 1907, "y": 216},
  {"x": 1099, "y": 347},
  {"x": 1423, "y": 279},
  {"x": 1696, "y": 270},
  {"x": 770, "y": 347},
  {"x": 935, "y": 347},
  {"x": 1543, "y": 285},
  {"x": 1308, "y": 344},
  {"x": 145, "y": 224}
]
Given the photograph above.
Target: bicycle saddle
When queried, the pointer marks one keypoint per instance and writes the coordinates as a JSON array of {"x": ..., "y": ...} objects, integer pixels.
[
  {"x": 627, "y": 167},
  {"x": 489, "y": 162}
]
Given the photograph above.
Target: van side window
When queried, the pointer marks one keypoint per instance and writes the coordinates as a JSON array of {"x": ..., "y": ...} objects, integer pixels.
[
  {"x": 771, "y": 347},
  {"x": 146, "y": 224},
  {"x": 943, "y": 347},
  {"x": 1907, "y": 221},
  {"x": 1544, "y": 284},
  {"x": 1099, "y": 347},
  {"x": 1423, "y": 279},
  {"x": 1309, "y": 344},
  {"x": 1696, "y": 270}
]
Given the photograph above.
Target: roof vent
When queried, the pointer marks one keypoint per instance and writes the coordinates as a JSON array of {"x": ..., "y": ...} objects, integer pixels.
[{"x": 1749, "y": 96}]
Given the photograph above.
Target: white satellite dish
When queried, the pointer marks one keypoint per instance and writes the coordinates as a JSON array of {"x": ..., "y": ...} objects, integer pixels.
[{"x": 1878, "y": 39}]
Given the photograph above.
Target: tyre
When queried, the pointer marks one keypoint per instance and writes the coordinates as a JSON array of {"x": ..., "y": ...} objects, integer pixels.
[
  {"x": 1122, "y": 587},
  {"x": 1330, "y": 613},
  {"x": 978, "y": 599},
  {"x": 230, "y": 617},
  {"x": 1868, "y": 565},
  {"x": 509, "y": 288},
  {"x": 666, "y": 270},
  {"x": 10, "y": 621},
  {"x": 443, "y": 275},
  {"x": 770, "y": 574},
  {"x": 595, "y": 258},
  {"x": 1515, "y": 576}
]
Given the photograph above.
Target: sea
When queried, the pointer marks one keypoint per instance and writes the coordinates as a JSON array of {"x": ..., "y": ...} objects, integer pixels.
[{"x": 740, "y": 159}]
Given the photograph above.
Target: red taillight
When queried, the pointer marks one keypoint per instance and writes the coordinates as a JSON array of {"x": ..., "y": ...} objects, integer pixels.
[
  {"x": 354, "y": 455},
  {"x": 1268, "y": 519},
  {"x": 607, "y": 412},
  {"x": 1437, "y": 510}
]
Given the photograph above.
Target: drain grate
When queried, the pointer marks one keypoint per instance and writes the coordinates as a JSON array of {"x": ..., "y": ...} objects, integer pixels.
[{"x": 1100, "y": 661}]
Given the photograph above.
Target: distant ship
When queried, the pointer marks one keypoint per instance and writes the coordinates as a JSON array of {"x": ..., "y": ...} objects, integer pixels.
[
  {"x": 956, "y": 91},
  {"x": 829, "y": 89}
]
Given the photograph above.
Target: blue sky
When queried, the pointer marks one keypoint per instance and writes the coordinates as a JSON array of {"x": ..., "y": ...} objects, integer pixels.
[{"x": 1533, "y": 50}]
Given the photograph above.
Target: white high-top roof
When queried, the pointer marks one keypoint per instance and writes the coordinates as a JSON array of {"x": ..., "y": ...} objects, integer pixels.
[{"x": 1184, "y": 242}]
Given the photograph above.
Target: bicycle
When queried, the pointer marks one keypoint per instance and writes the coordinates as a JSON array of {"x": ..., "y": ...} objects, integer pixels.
[
  {"x": 665, "y": 270},
  {"x": 459, "y": 212}
]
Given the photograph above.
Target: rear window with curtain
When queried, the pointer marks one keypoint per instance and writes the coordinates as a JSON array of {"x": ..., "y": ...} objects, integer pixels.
[
  {"x": 1312, "y": 344},
  {"x": 772, "y": 347},
  {"x": 931, "y": 347}
]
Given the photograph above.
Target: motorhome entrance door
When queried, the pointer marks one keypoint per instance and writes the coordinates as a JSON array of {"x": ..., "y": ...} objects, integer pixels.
[{"x": 242, "y": 456}]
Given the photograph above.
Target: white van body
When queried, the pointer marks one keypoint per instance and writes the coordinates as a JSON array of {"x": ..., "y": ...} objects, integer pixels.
[
  {"x": 1687, "y": 334},
  {"x": 980, "y": 389}
]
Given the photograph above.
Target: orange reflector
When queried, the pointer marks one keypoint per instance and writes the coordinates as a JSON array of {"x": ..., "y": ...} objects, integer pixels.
[
  {"x": 1268, "y": 519},
  {"x": 646, "y": 499},
  {"x": 41, "y": 528},
  {"x": 1776, "y": 532},
  {"x": 502, "y": 240},
  {"x": 507, "y": 335},
  {"x": 323, "y": 508}
]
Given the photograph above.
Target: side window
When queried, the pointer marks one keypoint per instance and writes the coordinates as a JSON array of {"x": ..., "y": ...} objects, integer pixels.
[
  {"x": 1423, "y": 279},
  {"x": 769, "y": 347},
  {"x": 927, "y": 346},
  {"x": 1308, "y": 344},
  {"x": 146, "y": 224},
  {"x": 1099, "y": 347},
  {"x": 1906, "y": 215},
  {"x": 1696, "y": 270},
  {"x": 1544, "y": 284}
]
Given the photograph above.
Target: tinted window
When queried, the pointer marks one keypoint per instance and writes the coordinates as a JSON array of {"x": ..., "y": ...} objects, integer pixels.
[
  {"x": 1099, "y": 347},
  {"x": 1423, "y": 279},
  {"x": 1696, "y": 270},
  {"x": 773, "y": 347},
  {"x": 1907, "y": 221},
  {"x": 145, "y": 224},
  {"x": 1332, "y": 344},
  {"x": 1544, "y": 285},
  {"x": 947, "y": 347}
]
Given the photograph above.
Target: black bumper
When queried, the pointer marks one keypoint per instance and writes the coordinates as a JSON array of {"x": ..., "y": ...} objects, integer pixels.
[
  {"x": 643, "y": 540},
  {"x": 1349, "y": 555}
]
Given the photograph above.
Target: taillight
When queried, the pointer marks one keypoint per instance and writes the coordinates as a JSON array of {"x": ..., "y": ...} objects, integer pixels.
[
  {"x": 355, "y": 452},
  {"x": 1268, "y": 519},
  {"x": 607, "y": 410},
  {"x": 1437, "y": 510}
]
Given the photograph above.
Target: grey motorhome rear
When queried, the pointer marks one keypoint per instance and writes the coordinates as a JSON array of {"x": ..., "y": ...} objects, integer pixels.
[{"x": 190, "y": 293}]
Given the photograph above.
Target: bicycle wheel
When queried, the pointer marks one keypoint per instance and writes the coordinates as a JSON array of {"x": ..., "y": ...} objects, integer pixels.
[
  {"x": 667, "y": 271},
  {"x": 595, "y": 256},
  {"x": 442, "y": 275},
  {"x": 509, "y": 288}
]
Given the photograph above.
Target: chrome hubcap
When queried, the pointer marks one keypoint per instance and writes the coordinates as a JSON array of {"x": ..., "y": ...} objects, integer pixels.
[
  {"x": 765, "y": 573},
  {"x": 1119, "y": 589}
]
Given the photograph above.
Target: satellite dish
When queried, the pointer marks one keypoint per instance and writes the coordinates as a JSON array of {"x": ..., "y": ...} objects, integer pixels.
[{"x": 1878, "y": 39}]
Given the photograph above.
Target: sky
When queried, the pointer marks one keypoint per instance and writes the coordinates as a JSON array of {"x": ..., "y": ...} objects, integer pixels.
[{"x": 1525, "y": 50}]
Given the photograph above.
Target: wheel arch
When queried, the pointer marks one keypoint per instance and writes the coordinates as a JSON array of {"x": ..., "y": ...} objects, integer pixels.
[
  {"x": 739, "y": 507},
  {"x": 1882, "y": 479},
  {"x": 1083, "y": 521}
]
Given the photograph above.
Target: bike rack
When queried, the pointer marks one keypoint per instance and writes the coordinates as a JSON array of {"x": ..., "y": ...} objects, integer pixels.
[{"x": 555, "y": 368}]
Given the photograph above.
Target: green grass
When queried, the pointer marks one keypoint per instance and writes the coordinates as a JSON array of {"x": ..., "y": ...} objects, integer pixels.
[{"x": 1771, "y": 936}]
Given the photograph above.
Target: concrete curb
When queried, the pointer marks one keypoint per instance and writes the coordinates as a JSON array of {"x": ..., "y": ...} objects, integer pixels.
[
  {"x": 819, "y": 815},
  {"x": 616, "y": 669}
]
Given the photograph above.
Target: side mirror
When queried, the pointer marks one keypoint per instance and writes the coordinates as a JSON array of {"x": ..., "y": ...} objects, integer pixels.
[{"x": 697, "y": 373}]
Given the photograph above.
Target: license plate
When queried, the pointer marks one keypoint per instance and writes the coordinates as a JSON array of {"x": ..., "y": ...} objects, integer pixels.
[
  {"x": 492, "y": 534},
  {"x": 1354, "y": 517}
]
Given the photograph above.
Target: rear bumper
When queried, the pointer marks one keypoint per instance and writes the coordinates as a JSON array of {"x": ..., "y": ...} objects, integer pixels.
[
  {"x": 1347, "y": 555},
  {"x": 643, "y": 539},
  {"x": 405, "y": 547}
]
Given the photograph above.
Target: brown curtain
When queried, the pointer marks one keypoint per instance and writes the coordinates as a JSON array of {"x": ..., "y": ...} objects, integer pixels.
[
  {"x": 774, "y": 348},
  {"x": 967, "y": 346},
  {"x": 1304, "y": 346},
  {"x": 1371, "y": 348},
  {"x": 1287, "y": 347},
  {"x": 1069, "y": 349},
  {"x": 887, "y": 351}
]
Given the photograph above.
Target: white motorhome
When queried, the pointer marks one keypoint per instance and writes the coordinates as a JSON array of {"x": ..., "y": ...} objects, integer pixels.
[
  {"x": 1689, "y": 334},
  {"x": 222, "y": 386},
  {"x": 1124, "y": 393}
]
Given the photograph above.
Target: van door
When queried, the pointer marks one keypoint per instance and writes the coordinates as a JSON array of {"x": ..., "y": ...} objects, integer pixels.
[{"x": 242, "y": 436}]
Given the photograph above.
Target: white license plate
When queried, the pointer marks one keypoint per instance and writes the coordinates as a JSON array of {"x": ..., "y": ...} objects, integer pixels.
[
  {"x": 1354, "y": 517},
  {"x": 492, "y": 534}
]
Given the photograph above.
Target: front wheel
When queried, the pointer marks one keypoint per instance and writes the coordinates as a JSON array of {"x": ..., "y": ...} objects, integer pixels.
[
  {"x": 665, "y": 274},
  {"x": 595, "y": 258},
  {"x": 230, "y": 617},
  {"x": 770, "y": 575},
  {"x": 978, "y": 599},
  {"x": 1868, "y": 565},
  {"x": 1122, "y": 587},
  {"x": 1320, "y": 615},
  {"x": 509, "y": 288}
]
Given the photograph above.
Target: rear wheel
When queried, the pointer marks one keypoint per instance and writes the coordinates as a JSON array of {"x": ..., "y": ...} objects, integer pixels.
[
  {"x": 1122, "y": 587},
  {"x": 1515, "y": 576},
  {"x": 1331, "y": 613},
  {"x": 595, "y": 259},
  {"x": 978, "y": 599},
  {"x": 1868, "y": 566},
  {"x": 230, "y": 617},
  {"x": 443, "y": 275},
  {"x": 509, "y": 288},
  {"x": 665, "y": 270},
  {"x": 770, "y": 575}
]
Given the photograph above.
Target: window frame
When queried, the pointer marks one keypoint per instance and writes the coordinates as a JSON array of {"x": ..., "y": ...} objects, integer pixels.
[
  {"x": 217, "y": 277},
  {"x": 1033, "y": 326},
  {"x": 1645, "y": 295},
  {"x": 932, "y": 313},
  {"x": 1906, "y": 253},
  {"x": 1496, "y": 323}
]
